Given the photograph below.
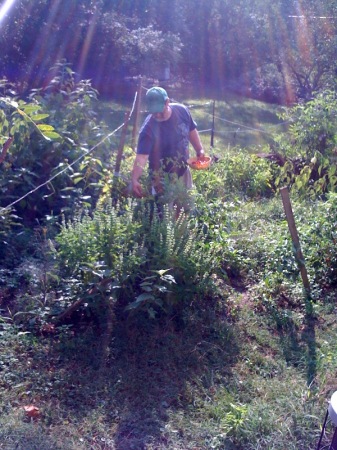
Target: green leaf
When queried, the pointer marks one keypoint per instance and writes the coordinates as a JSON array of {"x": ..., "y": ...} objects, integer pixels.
[
  {"x": 52, "y": 135},
  {"x": 45, "y": 127},
  {"x": 152, "y": 313},
  {"x": 37, "y": 117},
  {"x": 169, "y": 279},
  {"x": 99, "y": 162},
  {"x": 29, "y": 109},
  {"x": 332, "y": 170},
  {"x": 147, "y": 288},
  {"x": 140, "y": 299},
  {"x": 161, "y": 272},
  {"x": 144, "y": 297}
]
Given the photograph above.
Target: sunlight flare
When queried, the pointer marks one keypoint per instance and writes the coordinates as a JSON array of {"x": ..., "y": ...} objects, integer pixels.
[{"x": 5, "y": 8}]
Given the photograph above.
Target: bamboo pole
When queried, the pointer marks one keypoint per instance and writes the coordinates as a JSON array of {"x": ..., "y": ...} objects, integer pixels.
[
  {"x": 137, "y": 113},
  {"x": 294, "y": 236}
]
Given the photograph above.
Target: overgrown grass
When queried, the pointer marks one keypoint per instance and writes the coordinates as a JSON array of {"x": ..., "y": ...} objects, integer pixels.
[{"x": 227, "y": 379}]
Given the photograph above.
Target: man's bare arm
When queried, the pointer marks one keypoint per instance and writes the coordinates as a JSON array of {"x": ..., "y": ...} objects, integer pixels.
[{"x": 196, "y": 143}]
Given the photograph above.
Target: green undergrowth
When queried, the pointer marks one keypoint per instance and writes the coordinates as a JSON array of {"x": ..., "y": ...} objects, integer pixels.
[
  {"x": 130, "y": 327},
  {"x": 251, "y": 366}
]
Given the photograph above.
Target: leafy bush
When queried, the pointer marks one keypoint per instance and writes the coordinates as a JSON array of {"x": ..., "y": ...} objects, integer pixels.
[
  {"x": 236, "y": 173},
  {"x": 128, "y": 244},
  {"x": 310, "y": 150},
  {"x": 317, "y": 228},
  {"x": 53, "y": 133},
  {"x": 262, "y": 250},
  {"x": 313, "y": 125}
]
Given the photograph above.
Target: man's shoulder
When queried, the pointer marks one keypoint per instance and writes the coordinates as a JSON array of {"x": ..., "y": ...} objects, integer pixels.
[
  {"x": 180, "y": 109},
  {"x": 178, "y": 106}
]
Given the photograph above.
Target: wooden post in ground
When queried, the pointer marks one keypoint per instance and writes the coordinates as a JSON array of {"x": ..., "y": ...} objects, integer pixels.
[
  {"x": 212, "y": 133},
  {"x": 137, "y": 112},
  {"x": 294, "y": 236}
]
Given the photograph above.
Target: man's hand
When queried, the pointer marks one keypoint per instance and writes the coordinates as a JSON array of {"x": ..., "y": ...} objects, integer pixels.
[
  {"x": 201, "y": 154},
  {"x": 136, "y": 173}
]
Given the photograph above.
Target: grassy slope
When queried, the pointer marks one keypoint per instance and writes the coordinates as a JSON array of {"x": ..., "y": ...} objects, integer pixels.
[
  {"x": 233, "y": 377},
  {"x": 247, "y": 123},
  {"x": 238, "y": 121}
]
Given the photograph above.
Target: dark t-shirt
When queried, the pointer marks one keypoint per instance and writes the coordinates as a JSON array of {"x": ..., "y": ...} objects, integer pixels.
[{"x": 167, "y": 142}]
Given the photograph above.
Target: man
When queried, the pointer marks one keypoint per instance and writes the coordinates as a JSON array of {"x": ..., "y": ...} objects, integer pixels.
[{"x": 163, "y": 142}]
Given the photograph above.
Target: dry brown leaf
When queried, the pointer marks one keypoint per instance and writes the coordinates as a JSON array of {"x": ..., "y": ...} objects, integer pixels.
[{"x": 32, "y": 411}]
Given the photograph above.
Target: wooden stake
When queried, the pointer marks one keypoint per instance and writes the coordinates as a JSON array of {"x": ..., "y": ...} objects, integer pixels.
[
  {"x": 212, "y": 134},
  {"x": 294, "y": 236}
]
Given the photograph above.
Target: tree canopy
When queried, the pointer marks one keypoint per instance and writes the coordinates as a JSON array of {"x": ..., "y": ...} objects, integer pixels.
[{"x": 287, "y": 48}]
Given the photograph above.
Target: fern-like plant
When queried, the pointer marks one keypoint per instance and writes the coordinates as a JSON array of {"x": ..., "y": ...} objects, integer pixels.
[{"x": 128, "y": 243}]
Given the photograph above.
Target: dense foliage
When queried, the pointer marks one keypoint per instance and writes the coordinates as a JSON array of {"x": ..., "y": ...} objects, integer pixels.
[
  {"x": 114, "y": 304},
  {"x": 308, "y": 160},
  {"x": 38, "y": 153}
]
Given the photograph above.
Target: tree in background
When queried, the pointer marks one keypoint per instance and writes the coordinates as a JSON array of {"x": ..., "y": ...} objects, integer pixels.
[
  {"x": 307, "y": 52},
  {"x": 278, "y": 49},
  {"x": 101, "y": 43}
]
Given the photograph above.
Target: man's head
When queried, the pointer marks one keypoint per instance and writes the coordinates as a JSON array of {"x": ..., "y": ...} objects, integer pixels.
[{"x": 156, "y": 100}]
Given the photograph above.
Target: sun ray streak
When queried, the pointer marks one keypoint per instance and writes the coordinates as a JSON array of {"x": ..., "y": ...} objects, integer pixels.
[{"x": 5, "y": 8}]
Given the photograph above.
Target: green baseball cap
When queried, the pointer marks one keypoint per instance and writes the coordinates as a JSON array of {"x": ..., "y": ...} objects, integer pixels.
[{"x": 155, "y": 99}]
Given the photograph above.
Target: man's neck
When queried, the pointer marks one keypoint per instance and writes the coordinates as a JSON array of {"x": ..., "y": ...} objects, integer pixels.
[{"x": 164, "y": 116}]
